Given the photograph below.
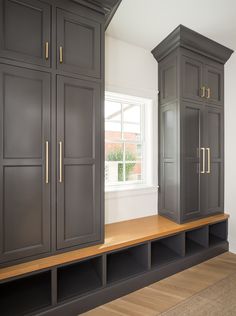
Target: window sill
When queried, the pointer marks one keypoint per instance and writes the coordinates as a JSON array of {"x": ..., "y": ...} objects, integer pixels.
[{"x": 119, "y": 192}]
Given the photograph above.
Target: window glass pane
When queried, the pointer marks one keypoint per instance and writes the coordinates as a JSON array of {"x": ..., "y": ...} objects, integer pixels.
[
  {"x": 113, "y": 151},
  {"x": 112, "y": 111},
  {"x": 112, "y": 120},
  {"x": 131, "y": 131},
  {"x": 132, "y": 113},
  {"x": 112, "y": 131},
  {"x": 114, "y": 163},
  {"x": 133, "y": 171},
  {"x": 133, "y": 152}
]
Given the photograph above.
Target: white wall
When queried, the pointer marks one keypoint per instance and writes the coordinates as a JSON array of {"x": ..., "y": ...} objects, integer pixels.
[
  {"x": 130, "y": 70},
  {"x": 230, "y": 148}
]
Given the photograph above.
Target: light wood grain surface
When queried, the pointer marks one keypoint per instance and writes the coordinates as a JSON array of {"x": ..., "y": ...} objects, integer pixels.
[
  {"x": 117, "y": 235},
  {"x": 173, "y": 295}
]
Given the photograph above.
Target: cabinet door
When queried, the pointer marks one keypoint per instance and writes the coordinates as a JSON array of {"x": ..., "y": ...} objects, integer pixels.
[
  {"x": 79, "y": 163},
  {"x": 192, "y": 79},
  {"x": 214, "y": 178},
  {"x": 24, "y": 193},
  {"x": 78, "y": 44},
  {"x": 214, "y": 78},
  {"x": 25, "y": 30},
  {"x": 192, "y": 126}
]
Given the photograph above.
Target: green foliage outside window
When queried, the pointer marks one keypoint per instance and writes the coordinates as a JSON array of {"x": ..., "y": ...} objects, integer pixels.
[{"x": 117, "y": 155}]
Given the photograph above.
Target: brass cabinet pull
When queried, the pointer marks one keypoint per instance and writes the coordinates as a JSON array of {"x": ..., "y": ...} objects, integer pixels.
[
  {"x": 203, "y": 160},
  {"x": 203, "y": 92},
  {"x": 46, "y": 50},
  {"x": 208, "y": 160},
  {"x": 60, "y": 162},
  {"x": 46, "y": 162},
  {"x": 208, "y": 93},
  {"x": 61, "y": 54}
]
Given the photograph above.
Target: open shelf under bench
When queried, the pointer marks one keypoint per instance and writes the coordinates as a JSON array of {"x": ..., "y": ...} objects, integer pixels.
[{"x": 135, "y": 254}]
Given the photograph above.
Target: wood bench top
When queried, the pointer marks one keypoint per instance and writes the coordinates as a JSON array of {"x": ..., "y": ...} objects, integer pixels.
[{"x": 117, "y": 235}]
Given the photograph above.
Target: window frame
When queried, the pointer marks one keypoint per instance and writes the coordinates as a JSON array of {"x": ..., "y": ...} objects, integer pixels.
[{"x": 143, "y": 103}]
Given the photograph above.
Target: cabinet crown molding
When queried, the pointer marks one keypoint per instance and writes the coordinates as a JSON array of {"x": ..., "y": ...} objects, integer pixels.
[
  {"x": 189, "y": 39},
  {"x": 107, "y": 7}
]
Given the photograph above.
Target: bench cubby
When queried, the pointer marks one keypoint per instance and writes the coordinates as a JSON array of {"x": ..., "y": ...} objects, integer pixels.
[
  {"x": 167, "y": 249},
  {"x": 26, "y": 295},
  {"x": 79, "y": 278},
  {"x": 126, "y": 263},
  {"x": 196, "y": 240},
  {"x": 217, "y": 233}
]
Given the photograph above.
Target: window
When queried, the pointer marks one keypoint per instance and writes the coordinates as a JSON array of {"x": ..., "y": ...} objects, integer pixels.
[{"x": 125, "y": 146}]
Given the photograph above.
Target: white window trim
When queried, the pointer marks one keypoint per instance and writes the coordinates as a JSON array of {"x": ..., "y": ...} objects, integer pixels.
[{"x": 149, "y": 124}]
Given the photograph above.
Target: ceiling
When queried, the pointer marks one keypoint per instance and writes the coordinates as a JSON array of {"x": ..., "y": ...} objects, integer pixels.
[{"x": 145, "y": 23}]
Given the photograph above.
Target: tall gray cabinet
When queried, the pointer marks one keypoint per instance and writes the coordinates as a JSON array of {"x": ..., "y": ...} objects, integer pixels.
[
  {"x": 191, "y": 125},
  {"x": 51, "y": 126}
]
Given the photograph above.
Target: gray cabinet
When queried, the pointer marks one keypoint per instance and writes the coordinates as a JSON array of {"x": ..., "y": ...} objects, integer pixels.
[
  {"x": 24, "y": 146},
  {"x": 51, "y": 126},
  {"x": 25, "y": 31},
  {"x": 78, "y": 44},
  {"x": 191, "y": 125},
  {"x": 79, "y": 157},
  {"x": 214, "y": 160}
]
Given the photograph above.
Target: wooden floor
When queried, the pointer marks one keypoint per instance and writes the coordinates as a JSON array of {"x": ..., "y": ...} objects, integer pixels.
[{"x": 206, "y": 289}]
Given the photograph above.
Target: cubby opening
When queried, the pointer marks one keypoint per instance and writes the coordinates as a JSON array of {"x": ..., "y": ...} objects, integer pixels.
[
  {"x": 167, "y": 249},
  {"x": 217, "y": 233},
  {"x": 196, "y": 240},
  {"x": 125, "y": 263},
  {"x": 26, "y": 295},
  {"x": 79, "y": 278}
]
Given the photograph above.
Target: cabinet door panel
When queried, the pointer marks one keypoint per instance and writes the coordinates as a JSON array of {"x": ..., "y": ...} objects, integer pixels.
[
  {"x": 192, "y": 74},
  {"x": 79, "y": 130},
  {"x": 215, "y": 82},
  {"x": 80, "y": 41},
  {"x": 24, "y": 195},
  {"x": 192, "y": 139},
  {"x": 214, "y": 131},
  {"x": 25, "y": 29}
]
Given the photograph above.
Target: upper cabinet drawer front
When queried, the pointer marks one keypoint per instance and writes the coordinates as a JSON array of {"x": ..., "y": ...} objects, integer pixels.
[
  {"x": 25, "y": 30},
  {"x": 192, "y": 74},
  {"x": 78, "y": 44},
  {"x": 214, "y": 78}
]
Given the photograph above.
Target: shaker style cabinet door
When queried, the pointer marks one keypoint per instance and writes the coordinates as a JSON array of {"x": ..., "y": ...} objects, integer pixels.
[
  {"x": 192, "y": 161},
  {"x": 24, "y": 163},
  {"x": 25, "y": 31},
  {"x": 192, "y": 79},
  {"x": 214, "y": 78},
  {"x": 79, "y": 162},
  {"x": 214, "y": 177},
  {"x": 78, "y": 44}
]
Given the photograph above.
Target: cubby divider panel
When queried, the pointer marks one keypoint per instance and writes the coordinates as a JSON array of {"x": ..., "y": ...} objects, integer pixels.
[
  {"x": 196, "y": 240},
  {"x": 79, "y": 278},
  {"x": 167, "y": 249},
  {"x": 217, "y": 233},
  {"x": 126, "y": 263},
  {"x": 26, "y": 295}
]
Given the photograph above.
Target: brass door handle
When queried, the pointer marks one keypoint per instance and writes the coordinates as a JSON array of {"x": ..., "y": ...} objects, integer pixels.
[
  {"x": 203, "y": 92},
  {"x": 46, "y": 50},
  {"x": 60, "y": 162},
  {"x": 46, "y": 162},
  {"x": 203, "y": 160},
  {"x": 60, "y": 54},
  {"x": 208, "y": 95},
  {"x": 208, "y": 160}
]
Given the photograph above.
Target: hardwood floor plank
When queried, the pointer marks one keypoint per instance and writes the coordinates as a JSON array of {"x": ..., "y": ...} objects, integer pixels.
[{"x": 172, "y": 293}]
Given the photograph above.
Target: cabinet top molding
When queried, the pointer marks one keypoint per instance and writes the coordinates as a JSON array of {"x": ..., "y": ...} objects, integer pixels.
[
  {"x": 107, "y": 7},
  {"x": 189, "y": 39}
]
